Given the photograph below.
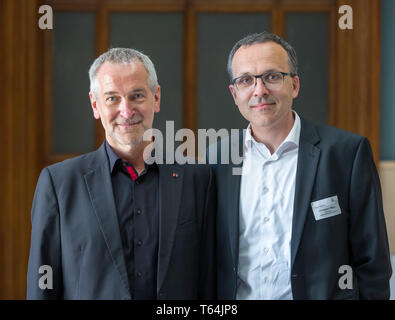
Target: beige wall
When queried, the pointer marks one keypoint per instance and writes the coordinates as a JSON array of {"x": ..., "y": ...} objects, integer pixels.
[{"x": 387, "y": 177}]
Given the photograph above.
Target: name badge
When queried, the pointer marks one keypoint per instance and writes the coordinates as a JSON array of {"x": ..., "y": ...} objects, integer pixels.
[{"x": 326, "y": 208}]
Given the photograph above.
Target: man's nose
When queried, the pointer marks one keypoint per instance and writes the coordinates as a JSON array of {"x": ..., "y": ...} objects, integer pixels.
[
  {"x": 260, "y": 88},
  {"x": 126, "y": 109}
]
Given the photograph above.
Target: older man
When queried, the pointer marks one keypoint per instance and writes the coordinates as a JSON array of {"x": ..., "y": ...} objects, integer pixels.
[
  {"x": 107, "y": 225},
  {"x": 304, "y": 220}
]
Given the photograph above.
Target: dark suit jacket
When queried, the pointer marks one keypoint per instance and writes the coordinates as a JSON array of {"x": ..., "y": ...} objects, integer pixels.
[
  {"x": 75, "y": 231},
  {"x": 330, "y": 162}
]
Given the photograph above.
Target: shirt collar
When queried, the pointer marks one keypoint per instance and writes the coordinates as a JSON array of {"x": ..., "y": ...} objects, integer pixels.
[
  {"x": 290, "y": 142},
  {"x": 112, "y": 156}
]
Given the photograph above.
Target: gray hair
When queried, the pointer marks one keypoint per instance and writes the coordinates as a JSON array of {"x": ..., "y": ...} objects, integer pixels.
[
  {"x": 124, "y": 56},
  {"x": 262, "y": 38}
]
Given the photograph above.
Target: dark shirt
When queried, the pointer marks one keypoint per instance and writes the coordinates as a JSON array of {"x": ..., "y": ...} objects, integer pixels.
[{"x": 137, "y": 203}]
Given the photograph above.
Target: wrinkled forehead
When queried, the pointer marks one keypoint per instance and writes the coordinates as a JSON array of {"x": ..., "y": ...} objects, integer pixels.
[
  {"x": 122, "y": 69},
  {"x": 120, "y": 74}
]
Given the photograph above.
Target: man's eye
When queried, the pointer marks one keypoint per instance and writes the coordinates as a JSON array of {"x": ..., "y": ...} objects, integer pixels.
[
  {"x": 272, "y": 77},
  {"x": 111, "y": 99},
  {"x": 246, "y": 80},
  {"x": 138, "y": 96}
]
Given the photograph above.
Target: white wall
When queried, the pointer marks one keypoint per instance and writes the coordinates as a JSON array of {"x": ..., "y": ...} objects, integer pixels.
[
  {"x": 387, "y": 178},
  {"x": 392, "y": 283}
]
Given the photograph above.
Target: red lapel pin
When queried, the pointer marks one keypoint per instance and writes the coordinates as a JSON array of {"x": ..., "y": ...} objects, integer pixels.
[{"x": 175, "y": 175}]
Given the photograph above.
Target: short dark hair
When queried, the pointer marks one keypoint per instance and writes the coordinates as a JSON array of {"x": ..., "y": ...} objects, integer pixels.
[{"x": 262, "y": 38}]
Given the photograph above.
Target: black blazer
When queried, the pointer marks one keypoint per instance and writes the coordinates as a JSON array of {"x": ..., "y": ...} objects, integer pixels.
[
  {"x": 75, "y": 231},
  {"x": 330, "y": 162}
]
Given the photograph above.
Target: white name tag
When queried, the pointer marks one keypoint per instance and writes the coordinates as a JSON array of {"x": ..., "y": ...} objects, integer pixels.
[{"x": 326, "y": 208}]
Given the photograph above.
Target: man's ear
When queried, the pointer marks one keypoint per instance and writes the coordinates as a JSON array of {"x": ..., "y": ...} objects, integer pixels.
[
  {"x": 295, "y": 86},
  {"x": 233, "y": 92},
  {"x": 92, "y": 98},
  {"x": 157, "y": 99}
]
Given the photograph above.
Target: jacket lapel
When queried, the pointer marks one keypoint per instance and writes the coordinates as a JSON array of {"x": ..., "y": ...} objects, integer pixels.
[
  {"x": 99, "y": 185},
  {"x": 170, "y": 192},
  {"x": 308, "y": 159}
]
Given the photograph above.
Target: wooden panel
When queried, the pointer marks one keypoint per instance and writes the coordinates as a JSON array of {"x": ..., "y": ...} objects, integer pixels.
[
  {"x": 118, "y": 5},
  {"x": 145, "y": 5},
  {"x": 278, "y": 24},
  {"x": 190, "y": 69},
  {"x": 19, "y": 130},
  {"x": 261, "y": 5},
  {"x": 374, "y": 42},
  {"x": 333, "y": 30},
  {"x": 357, "y": 79},
  {"x": 77, "y": 5}
]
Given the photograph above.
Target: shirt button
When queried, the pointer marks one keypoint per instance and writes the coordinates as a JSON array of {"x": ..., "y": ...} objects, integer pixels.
[
  {"x": 265, "y": 190},
  {"x": 265, "y": 250},
  {"x": 266, "y": 219},
  {"x": 139, "y": 242},
  {"x": 138, "y": 211}
]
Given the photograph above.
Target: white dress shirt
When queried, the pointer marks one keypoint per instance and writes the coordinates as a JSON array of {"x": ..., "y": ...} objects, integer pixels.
[{"x": 265, "y": 218}]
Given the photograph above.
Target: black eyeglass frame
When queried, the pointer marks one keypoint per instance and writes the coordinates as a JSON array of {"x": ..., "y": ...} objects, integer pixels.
[{"x": 284, "y": 74}]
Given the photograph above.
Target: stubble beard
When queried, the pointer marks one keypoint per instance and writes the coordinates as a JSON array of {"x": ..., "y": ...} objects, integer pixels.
[{"x": 129, "y": 139}]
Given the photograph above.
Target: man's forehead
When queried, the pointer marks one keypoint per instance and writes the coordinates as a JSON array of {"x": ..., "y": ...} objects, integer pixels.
[
  {"x": 109, "y": 67},
  {"x": 112, "y": 73},
  {"x": 270, "y": 53}
]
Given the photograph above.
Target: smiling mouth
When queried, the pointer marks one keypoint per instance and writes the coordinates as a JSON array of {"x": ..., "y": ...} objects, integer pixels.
[
  {"x": 262, "y": 106},
  {"x": 129, "y": 124}
]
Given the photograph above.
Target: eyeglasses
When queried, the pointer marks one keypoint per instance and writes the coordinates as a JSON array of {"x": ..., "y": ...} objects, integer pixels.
[{"x": 271, "y": 80}]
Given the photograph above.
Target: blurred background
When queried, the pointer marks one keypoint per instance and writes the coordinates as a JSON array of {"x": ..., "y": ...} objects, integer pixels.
[{"x": 346, "y": 81}]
